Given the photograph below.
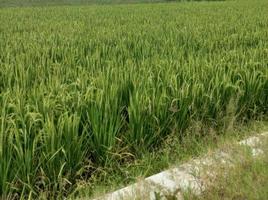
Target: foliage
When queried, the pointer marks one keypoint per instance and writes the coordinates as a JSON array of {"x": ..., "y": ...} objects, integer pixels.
[{"x": 80, "y": 85}]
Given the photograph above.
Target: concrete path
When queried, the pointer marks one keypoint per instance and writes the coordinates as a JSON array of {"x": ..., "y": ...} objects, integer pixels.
[{"x": 171, "y": 183}]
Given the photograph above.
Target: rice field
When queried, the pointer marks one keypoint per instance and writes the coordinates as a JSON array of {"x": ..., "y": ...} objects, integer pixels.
[{"x": 81, "y": 86}]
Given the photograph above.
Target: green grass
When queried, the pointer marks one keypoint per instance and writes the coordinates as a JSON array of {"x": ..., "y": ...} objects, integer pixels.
[
  {"x": 38, "y": 3},
  {"x": 86, "y": 87},
  {"x": 171, "y": 154},
  {"x": 248, "y": 181},
  {"x": 247, "y": 178},
  {"x": 34, "y": 3}
]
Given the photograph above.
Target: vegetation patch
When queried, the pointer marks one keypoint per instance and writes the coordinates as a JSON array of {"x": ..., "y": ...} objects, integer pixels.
[
  {"x": 246, "y": 178},
  {"x": 85, "y": 88}
]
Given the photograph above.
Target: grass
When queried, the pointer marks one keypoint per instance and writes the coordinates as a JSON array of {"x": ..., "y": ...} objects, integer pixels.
[
  {"x": 40, "y": 3},
  {"x": 83, "y": 88},
  {"x": 247, "y": 181},
  {"x": 171, "y": 154},
  {"x": 247, "y": 178}
]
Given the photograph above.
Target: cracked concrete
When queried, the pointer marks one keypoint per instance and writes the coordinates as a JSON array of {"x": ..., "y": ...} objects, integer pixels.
[{"x": 172, "y": 182}]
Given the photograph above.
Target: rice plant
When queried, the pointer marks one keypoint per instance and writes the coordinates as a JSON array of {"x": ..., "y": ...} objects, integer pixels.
[{"x": 80, "y": 84}]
